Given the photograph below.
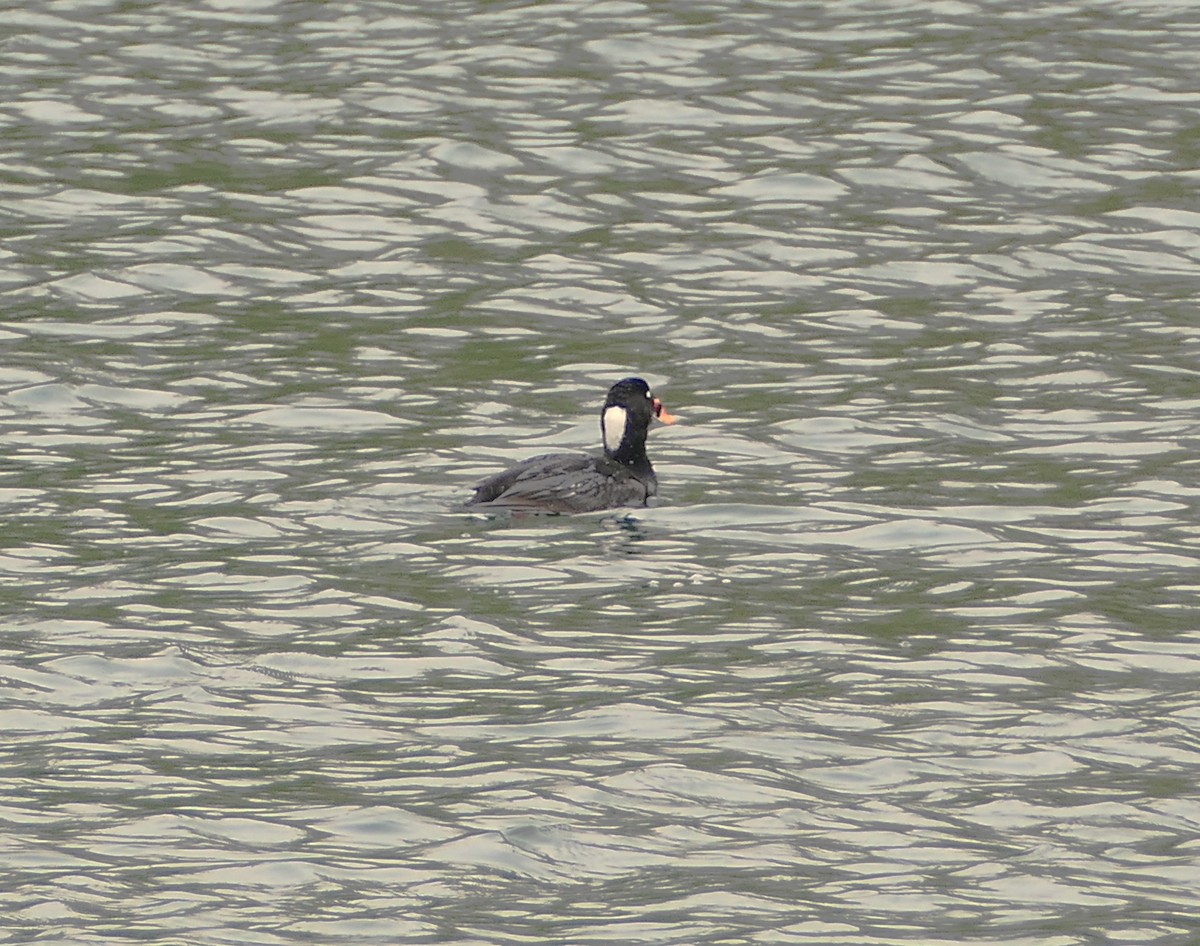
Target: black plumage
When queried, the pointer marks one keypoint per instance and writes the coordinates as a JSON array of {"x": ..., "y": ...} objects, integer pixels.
[{"x": 573, "y": 482}]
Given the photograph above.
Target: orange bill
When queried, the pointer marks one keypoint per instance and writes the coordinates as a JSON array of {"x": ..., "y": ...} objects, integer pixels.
[{"x": 661, "y": 412}]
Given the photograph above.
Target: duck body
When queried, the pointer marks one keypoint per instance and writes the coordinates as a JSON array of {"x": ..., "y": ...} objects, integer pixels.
[
  {"x": 566, "y": 482},
  {"x": 577, "y": 482}
]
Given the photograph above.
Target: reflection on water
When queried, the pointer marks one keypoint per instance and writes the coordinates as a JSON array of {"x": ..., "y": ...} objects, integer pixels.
[{"x": 906, "y": 650}]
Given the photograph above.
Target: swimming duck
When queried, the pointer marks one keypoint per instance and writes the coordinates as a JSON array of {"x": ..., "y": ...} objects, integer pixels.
[{"x": 579, "y": 482}]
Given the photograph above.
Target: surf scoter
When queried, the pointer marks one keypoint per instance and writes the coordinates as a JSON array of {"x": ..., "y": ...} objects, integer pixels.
[{"x": 575, "y": 482}]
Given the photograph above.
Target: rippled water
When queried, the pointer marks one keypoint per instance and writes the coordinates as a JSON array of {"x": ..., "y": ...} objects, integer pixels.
[{"x": 906, "y": 653}]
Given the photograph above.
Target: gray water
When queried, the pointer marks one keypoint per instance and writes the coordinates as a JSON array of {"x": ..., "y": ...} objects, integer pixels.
[{"x": 908, "y": 650}]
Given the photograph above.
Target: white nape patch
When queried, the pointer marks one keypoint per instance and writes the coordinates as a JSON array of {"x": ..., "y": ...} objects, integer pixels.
[{"x": 613, "y": 425}]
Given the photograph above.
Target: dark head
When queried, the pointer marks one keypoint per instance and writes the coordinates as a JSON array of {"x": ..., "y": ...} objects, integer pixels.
[{"x": 627, "y": 413}]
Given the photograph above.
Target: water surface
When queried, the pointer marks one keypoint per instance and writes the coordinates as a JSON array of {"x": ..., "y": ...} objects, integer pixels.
[{"x": 906, "y": 652}]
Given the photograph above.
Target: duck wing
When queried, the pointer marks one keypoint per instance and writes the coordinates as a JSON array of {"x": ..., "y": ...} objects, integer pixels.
[{"x": 561, "y": 482}]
